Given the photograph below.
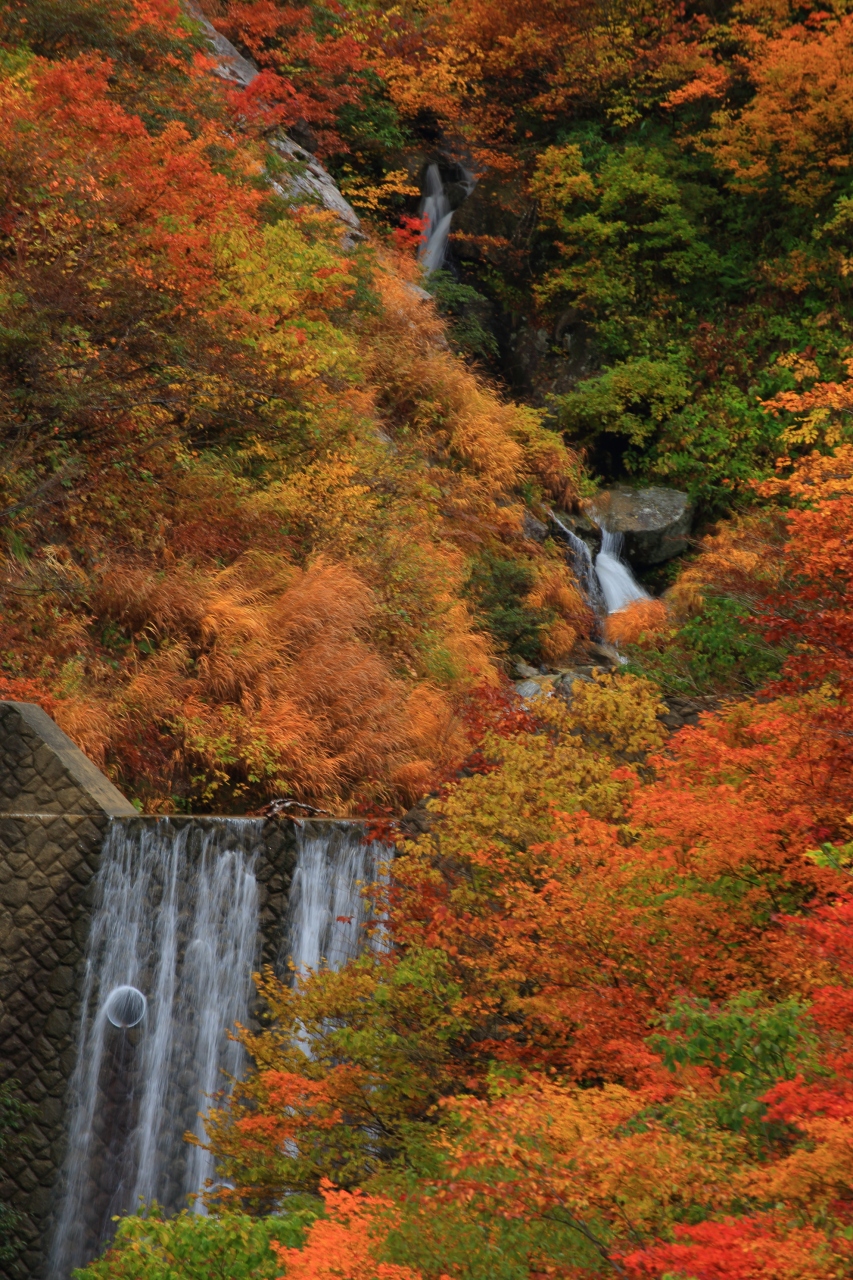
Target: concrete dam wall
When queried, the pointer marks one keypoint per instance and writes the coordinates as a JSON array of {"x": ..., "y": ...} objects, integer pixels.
[{"x": 127, "y": 945}]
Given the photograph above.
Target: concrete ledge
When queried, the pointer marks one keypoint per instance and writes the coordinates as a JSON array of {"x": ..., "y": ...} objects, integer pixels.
[{"x": 42, "y": 771}]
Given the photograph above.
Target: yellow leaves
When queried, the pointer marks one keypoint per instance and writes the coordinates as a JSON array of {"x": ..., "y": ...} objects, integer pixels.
[
  {"x": 801, "y": 365},
  {"x": 281, "y": 286},
  {"x": 817, "y": 427},
  {"x": 327, "y": 503},
  {"x": 375, "y": 196},
  {"x": 559, "y": 181},
  {"x": 566, "y": 768},
  {"x": 592, "y": 1153},
  {"x": 620, "y": 713},
  {"x": 817, "y": 1173}
]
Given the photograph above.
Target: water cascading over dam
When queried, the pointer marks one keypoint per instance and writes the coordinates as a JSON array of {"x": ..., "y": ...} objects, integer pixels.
[
  {"x": 175, "y": 936},
  {"x": 171, "y": 950},
  {"x": 327, "y": 911}
]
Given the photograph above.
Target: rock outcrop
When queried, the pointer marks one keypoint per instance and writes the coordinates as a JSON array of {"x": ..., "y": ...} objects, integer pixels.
[
  {"x": 654, "y": 522},
  {"x": 308, "y": 182}
]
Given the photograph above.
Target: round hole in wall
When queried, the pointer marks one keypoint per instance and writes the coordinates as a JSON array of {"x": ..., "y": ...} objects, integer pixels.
[{"x": 125, "y": 1006}]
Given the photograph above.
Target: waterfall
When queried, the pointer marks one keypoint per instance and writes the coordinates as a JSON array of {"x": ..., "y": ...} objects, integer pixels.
[
  {"x": 171, "y": 951},
  {"x": 327, "y": 911},
  {"x": 608, "y": 583},
  {"x": 583, "y": 566},
  {"x": 618, "y": 584},
  {"x": 438, "y": 215}
]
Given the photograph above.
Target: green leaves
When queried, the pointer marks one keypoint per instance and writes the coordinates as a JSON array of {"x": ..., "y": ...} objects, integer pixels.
[
  {"x": 632, "y": 398},
  {"x": 228, "y": 1246},
  {"x": 747, "y": 1043},
  {"x": 628, "y": 243}
]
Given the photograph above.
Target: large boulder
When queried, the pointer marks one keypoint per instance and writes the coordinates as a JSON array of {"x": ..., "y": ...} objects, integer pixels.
[{"x": 654, "y": 523}]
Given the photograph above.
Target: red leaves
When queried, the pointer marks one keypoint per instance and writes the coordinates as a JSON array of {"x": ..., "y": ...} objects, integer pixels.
[
  {"x": 752, "y": 1248},
  {"x": 310, "y": 66},
  {"x": 409, "y": 235}
]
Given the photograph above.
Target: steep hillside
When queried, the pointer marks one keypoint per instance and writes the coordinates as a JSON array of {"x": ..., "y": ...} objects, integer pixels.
[{"x": 252, "y": 502}]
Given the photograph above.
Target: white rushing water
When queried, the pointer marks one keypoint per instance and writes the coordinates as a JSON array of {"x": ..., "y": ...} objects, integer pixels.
[
  {"x": 172, "y": 947},
  {"x": 438, "y": 215},
  {"x": 608, "y": 582},
  {"x": 327, "y": 910},
  {"x": 583, "y": 566},
  {"x": 618, "y": 585},
  {"x": 169, "y": 961}
]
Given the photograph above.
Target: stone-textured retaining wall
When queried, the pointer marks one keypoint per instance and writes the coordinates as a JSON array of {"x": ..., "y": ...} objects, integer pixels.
[
  {"x": 42, "y": 771},
  {"x": 46, "y": 869}
]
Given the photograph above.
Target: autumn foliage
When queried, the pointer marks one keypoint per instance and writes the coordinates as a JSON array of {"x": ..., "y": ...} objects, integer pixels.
[
  {"x": 266, "y": 532},
  {"x": 242, "y": 475},
  {"x": 618, "y": 1009}
]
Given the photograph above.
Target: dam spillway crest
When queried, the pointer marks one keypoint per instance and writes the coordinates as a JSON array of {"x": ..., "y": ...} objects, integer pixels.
[{"x": 118, "y": 993}]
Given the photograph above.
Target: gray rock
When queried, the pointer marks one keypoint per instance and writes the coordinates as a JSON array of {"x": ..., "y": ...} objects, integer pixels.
[
  {"x": 528, "y": 689},
  {"x": 566, "y": 685},
  {"x": 655, "y": 522},
  {"x": 230, "y": 64},
  {"x": 608, "y": 653},
  {"x": 534, "y": 529},
  {"x": 527, "y": 672},
  {"x": 309, "y": 183}
]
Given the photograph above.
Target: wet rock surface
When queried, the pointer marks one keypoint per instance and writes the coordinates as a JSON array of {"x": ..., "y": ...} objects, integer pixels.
[
  {"x": 655, "y": 523},
  {"x": 683, "y": 711}
]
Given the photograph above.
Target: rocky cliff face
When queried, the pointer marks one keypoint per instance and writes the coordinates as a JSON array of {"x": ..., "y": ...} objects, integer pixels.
[{"x": 307, "y": 182}]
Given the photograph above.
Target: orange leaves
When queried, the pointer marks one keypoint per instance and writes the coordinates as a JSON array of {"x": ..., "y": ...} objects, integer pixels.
[
  {"x": 638, "y": 620},
  {"x": 292, "y": 1096},
  {"x": 545, "y": 1148},
  {"x": 279, "y": 661},
  {"x": 796, "y": 130},
  {"x": 344, "y": 1244}
]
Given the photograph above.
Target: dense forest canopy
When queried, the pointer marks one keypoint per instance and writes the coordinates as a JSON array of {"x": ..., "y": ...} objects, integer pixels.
[{"x": 269, "y": 521}]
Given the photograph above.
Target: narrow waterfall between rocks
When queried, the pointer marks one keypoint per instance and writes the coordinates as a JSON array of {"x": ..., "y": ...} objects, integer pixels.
[
  {"x": 438, "y": 215},
  {"x": 607, "y": 582},
  {"x": 618, "y": 585},
  {"x": 327, "y": 911},
  {"x": 581, "y": 558},
  {"x": 170, "y": 956}
]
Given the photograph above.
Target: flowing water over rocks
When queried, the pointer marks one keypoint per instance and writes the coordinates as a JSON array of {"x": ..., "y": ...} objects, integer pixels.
[
  {"x": 618, "y": 585},
  {"x": 437, "y": 212}
]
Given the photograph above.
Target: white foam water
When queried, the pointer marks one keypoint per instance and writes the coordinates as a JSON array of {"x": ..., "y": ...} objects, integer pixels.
[
  {"x": 618, "y": 585},
  {"x": 169, "y": 962},
  {"x": 327, "y": 910},
  {"x": 438, "y": 216}
]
